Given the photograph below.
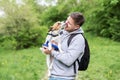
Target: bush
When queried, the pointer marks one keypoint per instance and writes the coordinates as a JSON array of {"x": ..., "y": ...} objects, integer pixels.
[
  {"x": 105, "y": 21},
  {"x": 35, "y": 37},
  {"x": 56, "y": 13},
  {"x": 7, "y": 42},
  {"x": 20, "y": 26}
]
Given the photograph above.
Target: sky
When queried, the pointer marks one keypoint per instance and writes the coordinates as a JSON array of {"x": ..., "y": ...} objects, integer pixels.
[
  {"x": 42, "y": 2},
  {"x": 1, "y": 13}
]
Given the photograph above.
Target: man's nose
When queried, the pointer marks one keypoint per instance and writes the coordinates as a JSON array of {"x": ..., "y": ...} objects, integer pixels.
[{"x": 66, "y": 23}]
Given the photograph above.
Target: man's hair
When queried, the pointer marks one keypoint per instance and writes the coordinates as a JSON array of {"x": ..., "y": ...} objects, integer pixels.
[{"x": 78, "y": 18}]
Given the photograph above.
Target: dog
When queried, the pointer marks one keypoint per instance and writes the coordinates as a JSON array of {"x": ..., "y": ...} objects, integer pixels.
[{"x": 53, "y": 41}]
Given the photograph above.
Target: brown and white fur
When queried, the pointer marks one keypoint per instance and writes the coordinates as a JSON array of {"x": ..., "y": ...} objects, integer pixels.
[{"x": 54, "y": 30}]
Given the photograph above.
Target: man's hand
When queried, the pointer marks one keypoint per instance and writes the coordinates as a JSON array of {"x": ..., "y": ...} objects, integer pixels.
[{"x": 46, "y": 50}]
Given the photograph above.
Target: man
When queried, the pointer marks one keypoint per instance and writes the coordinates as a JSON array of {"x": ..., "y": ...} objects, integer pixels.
[{"x": 63, "y": 68}]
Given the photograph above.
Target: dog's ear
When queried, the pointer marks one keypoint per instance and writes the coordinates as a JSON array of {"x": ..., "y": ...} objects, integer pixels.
[
  {"x": 50, "y": 29},
  {"x": 56, "y": 26}
]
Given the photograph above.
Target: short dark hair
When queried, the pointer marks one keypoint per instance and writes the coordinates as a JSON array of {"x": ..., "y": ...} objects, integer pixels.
[{"x": 78, "y": 18}]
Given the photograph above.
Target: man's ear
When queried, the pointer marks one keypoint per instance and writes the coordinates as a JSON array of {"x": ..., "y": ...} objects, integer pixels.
[{"x": 77, "y": 27}]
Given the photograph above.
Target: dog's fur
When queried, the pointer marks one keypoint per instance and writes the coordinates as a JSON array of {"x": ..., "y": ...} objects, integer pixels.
[{"x": 54, "y": 30}]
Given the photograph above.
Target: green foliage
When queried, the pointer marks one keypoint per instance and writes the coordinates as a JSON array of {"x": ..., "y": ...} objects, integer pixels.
[
  {"x": 23, "y": 39},
  {"x": 32, "y": 38},
  {"x": 51, "y": 16},
  {"x": 20, "y": 28},
  {"x": 8, "y": 42},
  {"x": 106, "y": 20}
]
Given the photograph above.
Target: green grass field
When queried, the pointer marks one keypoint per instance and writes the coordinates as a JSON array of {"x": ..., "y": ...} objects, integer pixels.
[
  {"x": 26, "y": 64},
  {"x": 29, "y": 64}
]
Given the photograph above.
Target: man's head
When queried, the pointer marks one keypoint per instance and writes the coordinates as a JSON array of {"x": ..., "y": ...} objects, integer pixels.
[{"x": 74, "y": 21}]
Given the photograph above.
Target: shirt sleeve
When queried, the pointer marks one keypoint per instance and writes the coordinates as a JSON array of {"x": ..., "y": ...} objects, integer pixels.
[{"x": 74, "y": 51}]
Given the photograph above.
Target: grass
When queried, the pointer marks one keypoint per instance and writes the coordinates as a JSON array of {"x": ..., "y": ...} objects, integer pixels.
[{"x": 29, "y": 64}]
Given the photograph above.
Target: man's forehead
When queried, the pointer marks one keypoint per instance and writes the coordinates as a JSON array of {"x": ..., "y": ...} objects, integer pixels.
[{"x": 70, "y": 19}]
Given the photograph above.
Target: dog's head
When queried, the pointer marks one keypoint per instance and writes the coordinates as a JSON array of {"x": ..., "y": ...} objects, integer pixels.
[{"x": 56, "y": 26}]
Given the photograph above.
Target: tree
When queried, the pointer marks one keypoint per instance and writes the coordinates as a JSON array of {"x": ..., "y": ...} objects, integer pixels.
[
  {"x": 20, "y": 24},
  {"x": 107, "y": 19}
]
